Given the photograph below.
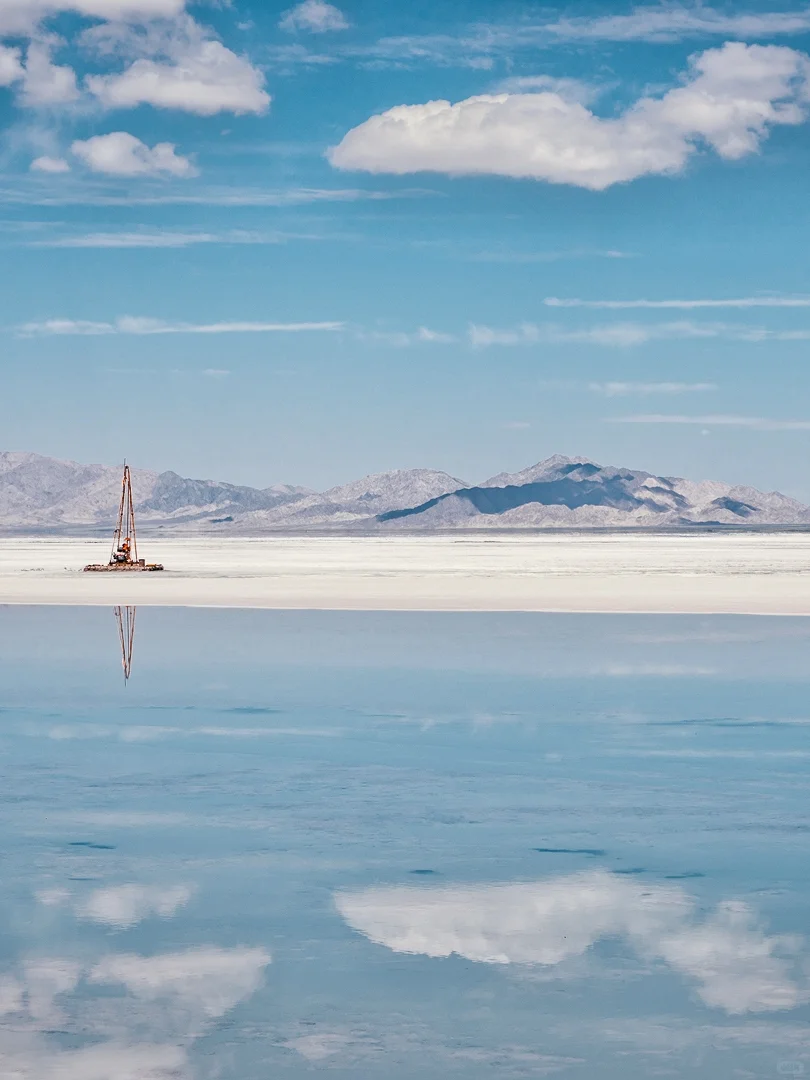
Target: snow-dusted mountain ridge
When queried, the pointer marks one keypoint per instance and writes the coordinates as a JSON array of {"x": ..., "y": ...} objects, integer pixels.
[
  {"x": 42, "y": 492},
  {"x": 577, "y": 493},
  {"x": 561, "y": 492},
  {"x": 362, "y": 501}
]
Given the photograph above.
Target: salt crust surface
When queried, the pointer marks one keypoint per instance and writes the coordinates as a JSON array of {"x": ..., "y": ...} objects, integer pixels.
[{"x": 707, "y": 573}]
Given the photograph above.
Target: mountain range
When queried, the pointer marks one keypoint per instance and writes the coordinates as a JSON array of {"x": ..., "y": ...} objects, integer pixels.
[{"x": 44, "y": 494}]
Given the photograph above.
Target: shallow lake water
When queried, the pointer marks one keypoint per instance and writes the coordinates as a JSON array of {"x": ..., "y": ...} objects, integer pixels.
[{"x": 394, "y": 845}]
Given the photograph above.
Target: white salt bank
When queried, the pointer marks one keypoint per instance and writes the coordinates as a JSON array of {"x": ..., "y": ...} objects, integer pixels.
[{"x": 744, "y": 573}]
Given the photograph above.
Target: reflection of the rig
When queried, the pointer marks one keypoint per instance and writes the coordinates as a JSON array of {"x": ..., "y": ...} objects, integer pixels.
[{"x": 125, "y": 617}]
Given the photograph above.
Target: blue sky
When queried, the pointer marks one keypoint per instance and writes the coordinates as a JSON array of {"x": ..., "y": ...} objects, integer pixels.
[{"x": 240, "y": 242}]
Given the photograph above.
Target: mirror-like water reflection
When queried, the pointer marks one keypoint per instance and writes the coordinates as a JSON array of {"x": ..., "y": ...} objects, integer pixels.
[
  {"x": 125, "y": 618},
  {"x": 401, "y": 846}
]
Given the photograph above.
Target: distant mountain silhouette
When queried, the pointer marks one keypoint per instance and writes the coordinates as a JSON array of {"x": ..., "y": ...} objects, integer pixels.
[{"x": 38, "y": 492}]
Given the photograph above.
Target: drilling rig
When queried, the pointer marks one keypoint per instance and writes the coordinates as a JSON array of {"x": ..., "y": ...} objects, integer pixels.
[{"x": 124, "y": 554}]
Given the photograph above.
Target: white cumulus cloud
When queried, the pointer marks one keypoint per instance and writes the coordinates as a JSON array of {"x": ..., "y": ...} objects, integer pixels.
[
  {"x": 11, "y": 69},
  {"x": 122, "y": 154},
  {"x": 45, "y": 83},
  {"x": 735, "y": 965},
  {"x": 728, "y": 100},
  {"x": 314, "y": 15},
  {"x": 189, "y": 71},
  {"x": 172, "y": 61},
  {"x": 50, "y": 165}
]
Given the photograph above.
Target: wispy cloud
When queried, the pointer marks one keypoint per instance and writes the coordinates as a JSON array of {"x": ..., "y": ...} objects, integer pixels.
[
  {"x": 129, "y": 324},
  {"x": 714, "y": 755},
  {"x": 479, "y": 45},
  {"x": 760, "y": 333},
  {"x": 626, "y": 334},
  {"x": 616, "y": 335},
  {"x": 145, "y": 326},
  {"x": 475, "y": 44},
  {"x": 483, "y": 336},
  {"x": 472, "y": 47},
  {"x": 145, "y": 733},
  {"x": 676, "y": 22},
  {"x": 627, "y": 389},
  {"x": 89, "y": 196},
  {"x": 286, "y": 58},
  {"x": 316, "y": 16},
  {"x": 548, "y": 256},
  {"x": 608, "y": 335},
  {"x": 744, "y": 302},
  {"x": 653, "y": 671},
  {"x": 568, "y": 89},
  {"x": 401, "y": 339},
  {"x": 435, "y": 337},
  {"x": 755, "y": 423},
  {"x": 164, "y": 239}
]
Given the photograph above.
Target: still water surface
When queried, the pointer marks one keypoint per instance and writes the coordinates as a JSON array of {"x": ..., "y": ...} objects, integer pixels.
[{"x": 403, "y": 846}]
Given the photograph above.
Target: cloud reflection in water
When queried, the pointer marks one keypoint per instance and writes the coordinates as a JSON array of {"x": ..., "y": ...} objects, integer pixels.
[
  {"x": 735, "y": 964},
  {"x": 156, "y": 1008}
]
